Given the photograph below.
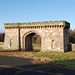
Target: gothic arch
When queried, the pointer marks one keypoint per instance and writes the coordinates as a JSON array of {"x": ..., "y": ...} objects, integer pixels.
[
  {"x": 33, "y": 31},
  {"x": 56, "y": 30},
  {"x": 29, "y": 33}
]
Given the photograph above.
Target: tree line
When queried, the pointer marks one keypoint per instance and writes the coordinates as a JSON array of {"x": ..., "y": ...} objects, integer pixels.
[
  {"x": 2, "y": 35},
  {"x": 72, "y": 35},
  {"x": 37, "y": 38}
]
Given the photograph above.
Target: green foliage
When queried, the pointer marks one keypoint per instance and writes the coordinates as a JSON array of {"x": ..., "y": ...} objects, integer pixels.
[
  {"x": 2, "y": 37},
  {"x": 72, "y": 36},
  {"x": 36, "y": 46},
  {"x": 36, "y": 39}
]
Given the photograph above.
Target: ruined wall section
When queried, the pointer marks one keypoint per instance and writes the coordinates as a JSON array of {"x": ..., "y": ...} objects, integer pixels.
[{"x": 11, "y": 38}]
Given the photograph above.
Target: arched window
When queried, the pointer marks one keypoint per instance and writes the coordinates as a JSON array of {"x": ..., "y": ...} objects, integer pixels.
[
  {"x": 10, "y": 42},
  {"x": 53, "y": 44}
]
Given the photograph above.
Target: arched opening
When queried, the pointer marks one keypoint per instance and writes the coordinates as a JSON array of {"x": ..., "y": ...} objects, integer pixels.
[
  {"x": 53, "y": 44},
  {"x": 10, "y": 42},
  {"x": 33, "y": 42}
]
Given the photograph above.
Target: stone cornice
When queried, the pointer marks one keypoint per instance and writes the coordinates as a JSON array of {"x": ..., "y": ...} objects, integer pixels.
[{"x": 36, "y": 24}]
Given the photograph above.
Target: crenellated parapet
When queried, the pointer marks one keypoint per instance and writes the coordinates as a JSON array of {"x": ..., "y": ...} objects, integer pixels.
[{"x": 38, "y": 24}]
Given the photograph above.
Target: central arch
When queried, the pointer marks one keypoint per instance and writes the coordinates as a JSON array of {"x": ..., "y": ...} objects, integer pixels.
[{"x": 27, "y": 40}]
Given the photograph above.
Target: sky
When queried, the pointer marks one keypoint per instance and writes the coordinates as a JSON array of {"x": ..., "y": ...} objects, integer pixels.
[{"x": 19, "y": 11}]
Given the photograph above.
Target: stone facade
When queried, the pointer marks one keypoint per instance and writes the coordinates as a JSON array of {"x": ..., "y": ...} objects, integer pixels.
[{"x": 54, "y": 35}]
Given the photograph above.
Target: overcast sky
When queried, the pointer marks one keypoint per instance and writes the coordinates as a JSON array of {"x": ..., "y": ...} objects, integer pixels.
[{"x": 12, "y": 11}]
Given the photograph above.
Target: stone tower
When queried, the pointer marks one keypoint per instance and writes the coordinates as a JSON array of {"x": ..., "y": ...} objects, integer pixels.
[{"x": 54, "y": 35}]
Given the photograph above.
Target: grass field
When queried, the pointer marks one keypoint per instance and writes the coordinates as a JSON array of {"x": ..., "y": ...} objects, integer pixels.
[
  {"x": 7, "y": 50},
  {"x": 66, "y": 59},
  {"x": 36, "y": 46}
]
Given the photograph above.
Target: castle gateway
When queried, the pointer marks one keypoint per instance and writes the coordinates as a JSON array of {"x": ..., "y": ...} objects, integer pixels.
[{"x": 54, "y": 35}]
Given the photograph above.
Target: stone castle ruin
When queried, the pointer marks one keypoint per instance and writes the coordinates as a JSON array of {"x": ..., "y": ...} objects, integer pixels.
[{"x": 54, "y": 35}]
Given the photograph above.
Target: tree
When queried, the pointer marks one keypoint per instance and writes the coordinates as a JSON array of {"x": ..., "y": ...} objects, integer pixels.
[
  {"x": 72, "y": 36},
  {"x": 38, "y": 40}
]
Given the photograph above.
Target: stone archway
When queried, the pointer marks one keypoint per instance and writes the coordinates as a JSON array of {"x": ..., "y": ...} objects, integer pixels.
[
  {"x": 27, "y": 40},
  {"x": 54, "y": 35}
]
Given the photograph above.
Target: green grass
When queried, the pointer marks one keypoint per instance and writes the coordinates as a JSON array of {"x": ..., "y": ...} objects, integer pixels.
[
  {"x": 67, "y": 59},
  {"x": 7, "y": 50},
  {"x": 36, "y": 46}
]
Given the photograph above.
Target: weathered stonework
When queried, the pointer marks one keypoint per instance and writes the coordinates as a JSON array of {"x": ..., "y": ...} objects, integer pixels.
[{"x": 54, "y": 35}]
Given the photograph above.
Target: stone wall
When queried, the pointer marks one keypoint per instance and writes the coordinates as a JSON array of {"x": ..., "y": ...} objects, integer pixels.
[
  {"x": 54, "y": 35},
  {"x": 51, "y": 38},
  {"x": 73, "y": 47},
  {"x": 11, "y": 38},
  {"x": 52, "y": 41}
]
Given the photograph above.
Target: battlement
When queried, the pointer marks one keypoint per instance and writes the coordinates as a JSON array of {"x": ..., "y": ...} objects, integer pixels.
[{"x": 34, "y": 24}]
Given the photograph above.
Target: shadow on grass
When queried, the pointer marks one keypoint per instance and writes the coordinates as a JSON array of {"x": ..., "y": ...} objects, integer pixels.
[
  {"x": 9, "y": 50},
  {"x": 14, "y": 61},
  {"x": 8, "y": 64},
  {"x": 52, "y": 68},
  {"x": 34, "y": 50},
  {"x": 29, "y": 68},
  {"x": 66, "y": 63},
  {"x": 7, "y": 71}
]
